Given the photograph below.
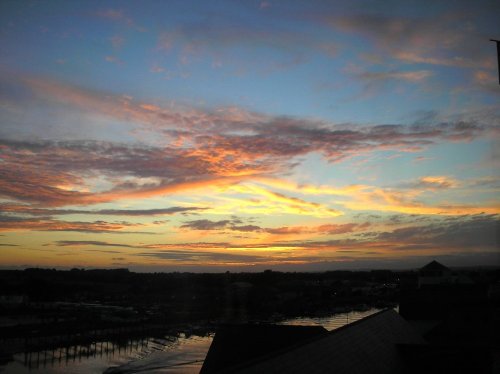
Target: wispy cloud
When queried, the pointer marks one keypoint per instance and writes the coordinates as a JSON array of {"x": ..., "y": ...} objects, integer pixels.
[
  {"x": 473, "y": 233},
  {"x": 489, "y": 181},
  {"x": 477, "y": 231},
  {"x": 237, "y": 224},
  {"x": 27, "y": 209},
  {"x": 119, "y": 16},
  {"x": 430, "y": 183},
  {"x": 200, "y": 149},
  {"x": 408, "y": 76},
  {"x": 389, "y": 200},
  {"x": 117, "y": 41},
  {"x": 212, "y": 38},
  {"x": 82, "y": 243},
  {"x": 113, "y": 59},
  {"x": 205, "y": 224},
  {"x": 208, "y": 258},
  {"x": 13, "y": 223},
  {"x": 464, "y": 235},
  {"x": 403, "y": 198},
  {"x": 375, "y": 82},
  {"x": 440, "y": 39}
]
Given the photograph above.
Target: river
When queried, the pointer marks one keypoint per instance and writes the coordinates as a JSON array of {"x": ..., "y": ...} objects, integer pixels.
[{"x": 168, "y": 354}]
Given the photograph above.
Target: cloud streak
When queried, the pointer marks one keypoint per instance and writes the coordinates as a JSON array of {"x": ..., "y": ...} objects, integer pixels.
[
  {"x": 413, "y": 39},
  {"x": 461, "y": 233},
  {"x": 13, "y": 223},
  {"x": 464, "y": 235},
  {"x": 27, "y": 209},
  {"x": 432, "y": 183},
  {"x": 236, "y": 224},
  {"x": 82, "y": 243},
  {"x": 53, "y": 173}
]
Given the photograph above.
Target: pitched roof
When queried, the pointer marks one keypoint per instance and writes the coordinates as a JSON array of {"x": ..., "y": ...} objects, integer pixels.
[
  {"x": 365, "y": 346},
  {"x": 434, "y": 266},
  {"x": 234, "y": 344}
]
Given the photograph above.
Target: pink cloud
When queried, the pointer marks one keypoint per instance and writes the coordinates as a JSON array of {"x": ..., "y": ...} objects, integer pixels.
[{"x": 196, "y": 148}]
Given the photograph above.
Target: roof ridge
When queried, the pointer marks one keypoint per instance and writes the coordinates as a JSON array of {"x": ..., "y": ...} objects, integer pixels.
[
  {"x": 434, "y": 264},
  {"x": 281, "y": 351}
]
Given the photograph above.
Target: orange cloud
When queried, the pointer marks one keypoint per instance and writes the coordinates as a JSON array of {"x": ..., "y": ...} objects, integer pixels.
[
  {"x": 392, "y": 201},
  {"x": 272, "y": 202},
  {"x": 216, "y": 149},
  {"x": 365, "y": 197}
]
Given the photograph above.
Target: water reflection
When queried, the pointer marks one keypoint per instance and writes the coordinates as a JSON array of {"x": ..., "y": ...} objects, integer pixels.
[
  {"x": 331, "y": 322},
  {"x": 161, "y": 353},
  {"x": 125, "y": 356},
  {"x": 185, "y": 357},
  {"x": 34, "y": 360}
]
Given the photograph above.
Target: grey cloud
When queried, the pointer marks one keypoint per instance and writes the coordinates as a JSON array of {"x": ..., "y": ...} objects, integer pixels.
[
  {"x": 216, "y": 146},
  {"x": 485, "y": 182},
  {"x": 69, "y": 243},
  {"x": 13, "y": 223},
  {"x": 205, "y": 224},
  {"x": 413, "y": 39},
  {"x": 428, "y": 184},
  {"x": 464, "y": 233},
  {"x": 233, "y": 224},
  {"x": 26, "y": 209},
  {"x": 101, "y": 251},
  {"x": 189, "y": 256},
  {"x": 246, "y": 228},
  {"x": 375, "y": 80},
  {"x": 478, "y": 231}
]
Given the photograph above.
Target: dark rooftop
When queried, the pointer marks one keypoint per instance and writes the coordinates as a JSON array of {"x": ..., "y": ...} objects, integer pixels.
[
  {"x": 366, "y": 346},
  {"x": 434, "y": 266},
  {"x": 234, "y": 344}
]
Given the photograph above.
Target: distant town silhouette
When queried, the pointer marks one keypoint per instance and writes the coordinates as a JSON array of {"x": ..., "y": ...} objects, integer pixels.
[{"x": 52, "y": 317}]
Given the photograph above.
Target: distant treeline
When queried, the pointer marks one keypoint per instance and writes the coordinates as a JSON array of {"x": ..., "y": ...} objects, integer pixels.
[
  {"x": 178, "y": 297},
  {"x": 51, "y": 284}
]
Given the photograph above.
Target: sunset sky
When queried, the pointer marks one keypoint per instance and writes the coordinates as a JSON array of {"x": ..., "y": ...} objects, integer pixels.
[{"x": 249, "y": 135}]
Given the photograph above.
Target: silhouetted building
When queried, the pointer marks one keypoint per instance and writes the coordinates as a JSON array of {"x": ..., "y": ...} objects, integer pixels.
[
  {"x": 494, "y": 292},
  {"x": 434, "y": 273},
  {"x": 440, "y": 291},
  {"x": 459, "y": 318},
  {"x": 234, "y": 344},
  {"x": 369, "y": 345}
]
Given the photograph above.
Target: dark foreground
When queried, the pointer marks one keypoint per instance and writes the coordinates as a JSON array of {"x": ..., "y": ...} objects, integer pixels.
[{"x": 100, "y": 311}]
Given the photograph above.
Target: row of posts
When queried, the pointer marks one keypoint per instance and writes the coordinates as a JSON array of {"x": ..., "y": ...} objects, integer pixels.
[{"x": 34, "y": 359}]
